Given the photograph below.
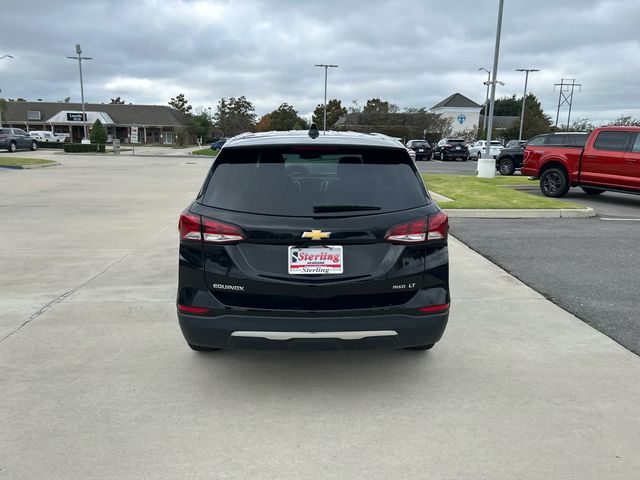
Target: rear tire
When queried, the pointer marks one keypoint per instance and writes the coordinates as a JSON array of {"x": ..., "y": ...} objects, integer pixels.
[
  {"x": 199, "y": 348},
  {"x": 554, "y": 182},
  {"x": 421, "y": 347},
  {"x": 34, "y": 146},
  {"x": 506, "y": 166},
  {"x": 479, "y": 156},
  {"x": 12, "y": 147},
  {"x": 592, "y": 191}
]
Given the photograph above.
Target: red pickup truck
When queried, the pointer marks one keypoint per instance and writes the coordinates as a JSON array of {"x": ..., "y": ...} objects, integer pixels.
[{"x": 610, "y": 160}]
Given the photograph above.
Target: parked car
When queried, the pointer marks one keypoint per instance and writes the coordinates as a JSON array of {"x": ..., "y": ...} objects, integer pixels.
[
  {"x": 352, "y": 254},
  {"x": 510, "y": 158},
  {"x": 479, "y": 149},
  {"x": 608, "y": 160},
  {"x": 422, "y": 149},
  {"x": 451, "y": 149},
  {"x": 15, "y": 138},
  {"x": 44, "y": 136},
  {"x": 217, "y": 145}
]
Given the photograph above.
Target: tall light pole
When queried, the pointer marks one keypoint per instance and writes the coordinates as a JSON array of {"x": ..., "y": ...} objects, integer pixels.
[
  {"x": 486, "y": 99},
  {"x": 524, "y": 95},
  {"x": 326, "y": 69},
  {"x": 487, "y": 166},
  {"x": 79, "y": 57},
  {"x": 4, "y": 56}
]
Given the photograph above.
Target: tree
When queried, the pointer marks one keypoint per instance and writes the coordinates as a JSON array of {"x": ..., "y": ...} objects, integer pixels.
[
  {"x": 335, "y": 110},
  {"x": 535, "y": 120},
  {"x": 118, "y": 101},
  {"x": 579, "y": 125},
  {"x": 506, "y": 106},
  {"x": 625, "y": 121},
  {"x": 179, "y": 102},
  {"x": 285, "y": 117},
  {"x": 98, "y": 134},
  {"x": 234, "y": 116},
  {"x": 264, "y": 124},
  {"x": 200, "y": 126},
  {"x": 375, "y": 105},
  {"x": 3, "y": 107}
]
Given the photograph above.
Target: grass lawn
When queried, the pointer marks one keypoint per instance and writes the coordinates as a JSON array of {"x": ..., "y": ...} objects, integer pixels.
[
  {"x": 19, "y": 161},
  {"x": 473, "y": 192},
  {"x": 206, "y": 151}
]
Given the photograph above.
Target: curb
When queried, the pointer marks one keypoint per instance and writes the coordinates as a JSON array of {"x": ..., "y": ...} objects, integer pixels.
[
  {"x": 521, "y": 213},
  {"x": 29, "y": 167}
]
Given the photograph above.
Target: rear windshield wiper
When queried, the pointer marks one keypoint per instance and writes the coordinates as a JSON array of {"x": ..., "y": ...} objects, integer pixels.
[{"x": 342, "y": 208}]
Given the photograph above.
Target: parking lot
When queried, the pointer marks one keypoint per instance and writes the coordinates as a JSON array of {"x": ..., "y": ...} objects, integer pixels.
[{"x": 97, "y": 381}]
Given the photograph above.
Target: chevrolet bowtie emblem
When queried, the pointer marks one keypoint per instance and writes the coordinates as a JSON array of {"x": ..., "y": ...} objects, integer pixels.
[{"x": 316, "y": 234}]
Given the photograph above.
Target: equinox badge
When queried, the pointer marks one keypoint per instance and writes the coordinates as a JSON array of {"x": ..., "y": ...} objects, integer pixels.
[{"x": 316, "y": 234}]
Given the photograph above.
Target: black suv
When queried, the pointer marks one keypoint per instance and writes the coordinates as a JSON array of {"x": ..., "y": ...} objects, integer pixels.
[
  {"x": 304, "y": 241},
  {"x": 510, "y": 157},
  {"x": 451, "y": 149},
  {"x": 421, "y": 147}
]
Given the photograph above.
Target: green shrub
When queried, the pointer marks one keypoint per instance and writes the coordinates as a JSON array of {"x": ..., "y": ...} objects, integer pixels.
[
  {"x": 58, "y": 145},
  {"x": 84, "y": 147},
  {"x": 98, "y": 133}
]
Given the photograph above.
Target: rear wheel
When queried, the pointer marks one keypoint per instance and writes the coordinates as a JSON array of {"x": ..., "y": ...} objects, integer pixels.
[
  {"x": 479, "y": 156},
  {"x": 592, "y": 191},
  {"x": 421, "y": 347},
  {"x": 506, "y": 166},
  {"x": 12, "y": 147},
  {"x": 199, "y": 348},
  {"x": 554, "y": 182},
  {"x": 34, "y": 146}
]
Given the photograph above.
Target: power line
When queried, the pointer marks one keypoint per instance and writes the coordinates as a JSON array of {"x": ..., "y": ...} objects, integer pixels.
[{"x": 566, "y": 95}]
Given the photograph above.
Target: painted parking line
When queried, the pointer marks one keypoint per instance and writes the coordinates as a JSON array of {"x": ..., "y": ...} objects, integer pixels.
[{"x": 612, "y": 219}]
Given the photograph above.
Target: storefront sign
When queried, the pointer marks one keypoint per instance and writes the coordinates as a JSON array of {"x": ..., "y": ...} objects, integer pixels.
[
  {"x": 134, "y": 135},
  {"x": 75, "y": 117}
]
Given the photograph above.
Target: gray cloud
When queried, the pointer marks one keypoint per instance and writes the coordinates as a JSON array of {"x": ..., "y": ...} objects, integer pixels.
[{"x": 411, "y": 53}]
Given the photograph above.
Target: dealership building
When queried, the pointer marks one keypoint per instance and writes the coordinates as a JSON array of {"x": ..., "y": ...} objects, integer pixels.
[{"x": 129, "y": 123}]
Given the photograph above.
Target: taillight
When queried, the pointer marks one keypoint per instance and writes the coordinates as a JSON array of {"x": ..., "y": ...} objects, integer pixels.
[
  {"x": 448, "y": 145},
  {"x": 194, "y": 227},
  {"x": 189, "y": 226},
  {"x": 412, "y": 232},
  {"x": 436, "y": 227},
  {"x": 219, "y": 232}
]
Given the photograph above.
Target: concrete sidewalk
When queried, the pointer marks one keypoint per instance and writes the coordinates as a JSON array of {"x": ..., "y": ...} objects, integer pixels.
[{"x": 99, "y": 383}]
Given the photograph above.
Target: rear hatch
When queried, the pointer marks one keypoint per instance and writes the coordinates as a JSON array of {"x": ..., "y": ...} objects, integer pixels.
[
  {"x": 456, "y": 146},
  {"x": 322, "y": 228}
]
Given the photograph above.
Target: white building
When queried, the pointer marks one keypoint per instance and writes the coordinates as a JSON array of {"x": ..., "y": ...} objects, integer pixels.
[{"x": 464, "y": 112}]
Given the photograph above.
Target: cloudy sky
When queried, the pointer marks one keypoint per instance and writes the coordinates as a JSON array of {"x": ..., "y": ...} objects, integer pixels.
[{"x": 410, "y": 52}]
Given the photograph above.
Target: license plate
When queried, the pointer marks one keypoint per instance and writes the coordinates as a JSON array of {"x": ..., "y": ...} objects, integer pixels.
[
  {"x": 421, "y": 149},
  {"x": 321, "y": 259},
  {"x": 457, "y": 148}
]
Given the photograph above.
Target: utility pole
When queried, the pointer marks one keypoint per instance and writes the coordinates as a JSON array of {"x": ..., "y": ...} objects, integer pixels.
[
  {"x": 524, "y": 95},
  {"x": 566, "y": 96},
  {"x": 326, "y": 68},
  {"x": 487, "y": 166},
  {"x": 486, "y": 99},
  {"x": 4, "y": 56},
  {"x": 79, "y": 57}
]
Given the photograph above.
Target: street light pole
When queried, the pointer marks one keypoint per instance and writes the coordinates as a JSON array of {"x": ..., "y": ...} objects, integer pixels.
[
  {"x": 487, "y": 166},
  {"x": 4, "y": 56},
  {"x": 524, "y": 95},
  {"x": 326, "y": 69},
  {"x": 79, "y": 57},
  {"x": 486, "y": 99}
]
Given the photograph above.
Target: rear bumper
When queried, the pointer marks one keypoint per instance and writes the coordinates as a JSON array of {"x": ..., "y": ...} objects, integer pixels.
[{"x": 393, "y": 330}]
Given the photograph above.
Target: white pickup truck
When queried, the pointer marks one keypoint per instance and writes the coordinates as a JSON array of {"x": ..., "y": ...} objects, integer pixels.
[{"x": 479, "y": 149}]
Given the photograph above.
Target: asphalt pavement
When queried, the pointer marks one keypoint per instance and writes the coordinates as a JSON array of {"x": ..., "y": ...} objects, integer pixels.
[
  {"x": 587, "y": 266},
  {"x": 98, "y": 383}
]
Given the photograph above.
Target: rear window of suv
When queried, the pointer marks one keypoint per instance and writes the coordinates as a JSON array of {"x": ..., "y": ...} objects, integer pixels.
[{"x": 308, "y": 181}]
